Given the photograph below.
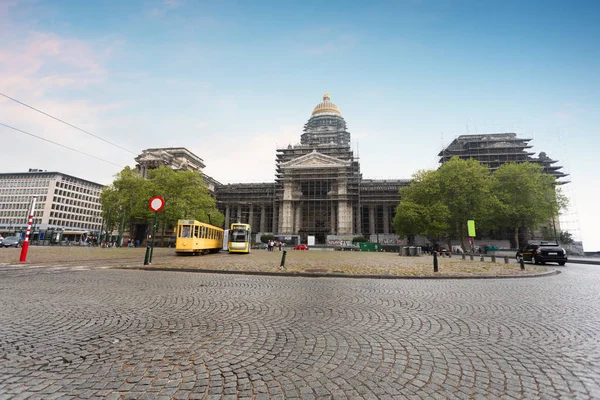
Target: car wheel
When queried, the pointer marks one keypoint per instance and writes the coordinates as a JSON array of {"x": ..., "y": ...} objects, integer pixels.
[
  {"x": 562, "y": 263},
  {"x": 534, "y": 260}
]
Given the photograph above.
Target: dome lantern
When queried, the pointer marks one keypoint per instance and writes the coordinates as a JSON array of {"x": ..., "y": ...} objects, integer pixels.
[{"x": 326, "y": 107}]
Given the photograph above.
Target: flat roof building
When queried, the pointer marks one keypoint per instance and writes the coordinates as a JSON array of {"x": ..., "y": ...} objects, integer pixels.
[{"x": 63, "y": 202}]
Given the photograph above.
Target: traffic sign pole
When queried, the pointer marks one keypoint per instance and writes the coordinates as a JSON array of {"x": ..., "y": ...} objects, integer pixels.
[
  {"x": 155, "y": 204},
  {"x": 153, "y": 233}
]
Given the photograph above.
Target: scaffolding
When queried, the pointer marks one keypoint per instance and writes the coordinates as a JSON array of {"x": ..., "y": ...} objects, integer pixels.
[{"x": 495, "y": 149}]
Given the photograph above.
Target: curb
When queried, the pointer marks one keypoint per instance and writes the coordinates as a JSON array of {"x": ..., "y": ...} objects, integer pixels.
[{"x": 334, "y": 275}]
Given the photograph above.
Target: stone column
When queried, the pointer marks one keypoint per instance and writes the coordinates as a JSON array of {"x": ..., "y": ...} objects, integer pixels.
[
  {"x": 372, "y": 219},
  {"x": 344, "y": 219},
  {"x": 386, "y": 219},
  {"x": 251, "y": 218},
  {"x": 227, "y": 216},
  {"x": 332, "y": 222},
  {"x": 262, "y": 217},
  {"x": 357, "y": 218},
  {"x": 287, "y": 220},
  {"x": 239, "y": 213},
  {"x": 298, "y": 219}
]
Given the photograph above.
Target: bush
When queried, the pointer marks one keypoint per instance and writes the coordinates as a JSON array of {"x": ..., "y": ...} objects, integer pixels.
[{"x": 266, "y": 238}]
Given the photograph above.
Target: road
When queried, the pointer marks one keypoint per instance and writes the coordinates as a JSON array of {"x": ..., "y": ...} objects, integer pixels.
[{"x": 74, "y": 331}]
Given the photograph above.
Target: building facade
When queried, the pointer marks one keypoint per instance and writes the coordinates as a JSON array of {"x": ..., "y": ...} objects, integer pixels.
[
  {"x": 319, "y": 191},
  {"x": 64, "y": 202}
]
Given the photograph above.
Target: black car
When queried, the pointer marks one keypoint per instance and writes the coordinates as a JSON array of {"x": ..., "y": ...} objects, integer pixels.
[
  {"x": 543, "y": 253},
  {"x": 12, "y": 241}
]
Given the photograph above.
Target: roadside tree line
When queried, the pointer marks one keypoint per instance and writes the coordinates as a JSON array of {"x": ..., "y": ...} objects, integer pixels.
[
  {"x": 515, "y": 197},
  {"x": 125, "y": 201}
]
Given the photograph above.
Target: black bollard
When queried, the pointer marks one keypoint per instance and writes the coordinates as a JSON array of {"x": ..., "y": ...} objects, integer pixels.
[
  {"x": 435, "y": 262},
  {"x": 505, "y": 259},
  {"x": 147, "y": 255},
  {"x": 471, "y": 255},
  {"x": 521, "y": 262},
  {"x": 464, "y": 256},
  {"x": 282, "y": 266},
  {"x": 482, "y": 258},
  {"x": 493, "y": 258}
]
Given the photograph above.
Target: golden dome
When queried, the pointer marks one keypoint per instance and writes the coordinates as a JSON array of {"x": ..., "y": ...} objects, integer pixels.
[{"x": 326, "y": 107}]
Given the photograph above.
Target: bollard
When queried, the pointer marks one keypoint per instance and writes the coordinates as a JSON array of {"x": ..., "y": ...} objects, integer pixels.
[
  {"x": 464, "y": 256},
  {"x": 147, "y": 255},
  {"x": 505, "y": 259},
  {"x": 471, "y": 256},
  {"x": 282, "y": 266},
  {"x": 493, "y": 258},
  {"x": 482, "y": 258},
  {"x": 521, "y": 262},
  {"x": 435, "y": 262}
]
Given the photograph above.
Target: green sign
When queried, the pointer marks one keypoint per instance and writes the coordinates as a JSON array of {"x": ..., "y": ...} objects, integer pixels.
[{"x": 471, "y": 226}]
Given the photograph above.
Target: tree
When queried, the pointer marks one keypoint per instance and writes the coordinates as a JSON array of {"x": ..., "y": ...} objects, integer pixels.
[
  {"x": 125, "y": 200},
  {"x": 420, "y": 211},
  {"x": 185, "y": 194},
  {"x": 565, "y": 237},
  {"x": 442, "y": 201},
  {"x": 186, "y": 197},
  {"x": 526, "y": 197}
]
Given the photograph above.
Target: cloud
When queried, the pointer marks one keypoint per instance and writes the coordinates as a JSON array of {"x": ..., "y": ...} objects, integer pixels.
[
  {"x": 164, "y": 6},
  {"x": 47, "y": 71},
  {"x": 323, "y": 41}
]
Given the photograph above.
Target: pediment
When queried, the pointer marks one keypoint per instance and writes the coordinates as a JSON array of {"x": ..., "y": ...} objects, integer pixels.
[{"x": 315, "y": 160}]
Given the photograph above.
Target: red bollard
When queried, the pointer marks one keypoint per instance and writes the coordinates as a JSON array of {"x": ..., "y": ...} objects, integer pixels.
[{"x": 26, "y": 242}]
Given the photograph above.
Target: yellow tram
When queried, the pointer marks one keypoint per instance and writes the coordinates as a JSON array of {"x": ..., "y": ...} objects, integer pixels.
[
  {"x": 194, "y": 237},
  {"x": 240, "y": 238}
]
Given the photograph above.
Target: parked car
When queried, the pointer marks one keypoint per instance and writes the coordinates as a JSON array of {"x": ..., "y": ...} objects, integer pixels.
[
  {"x": 543, "y": 253},
  {"x": 12, "y": 241},
  {"x": 300, "y": 247}
]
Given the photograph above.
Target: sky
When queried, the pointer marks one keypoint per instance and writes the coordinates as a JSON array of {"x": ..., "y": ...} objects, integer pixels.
[{"x": 233, "y": 81}]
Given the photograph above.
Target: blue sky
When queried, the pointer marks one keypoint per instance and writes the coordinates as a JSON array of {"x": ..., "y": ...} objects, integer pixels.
[{"x": 236, "y": 80}]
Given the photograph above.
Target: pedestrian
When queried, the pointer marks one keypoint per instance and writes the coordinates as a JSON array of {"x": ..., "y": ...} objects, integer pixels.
[{"x": 280, "y": 246}]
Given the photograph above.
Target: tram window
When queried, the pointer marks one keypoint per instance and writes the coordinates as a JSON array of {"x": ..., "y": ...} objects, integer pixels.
[
  {"x": 185, "y": 231},
  {"x": 196, "y": 231},
  {"x": 203, "y": 232}
]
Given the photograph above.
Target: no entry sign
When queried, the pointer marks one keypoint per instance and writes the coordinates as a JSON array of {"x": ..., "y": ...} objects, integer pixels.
[{"x": 156, "y": 203}]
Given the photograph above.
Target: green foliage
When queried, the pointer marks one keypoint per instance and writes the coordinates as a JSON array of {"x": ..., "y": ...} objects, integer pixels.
[
  {"x": 186, "y": 196},
  {"x": 359, "y": 239},
  {"x": 565, "y": 237},
  {"x": 527, "y": 197},
  {"x": 265, "y": 238},
  {"x": 442, "y": 201}
]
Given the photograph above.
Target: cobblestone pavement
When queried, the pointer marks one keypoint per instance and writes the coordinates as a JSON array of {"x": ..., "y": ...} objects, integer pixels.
[{"x": 103, "y": 333}]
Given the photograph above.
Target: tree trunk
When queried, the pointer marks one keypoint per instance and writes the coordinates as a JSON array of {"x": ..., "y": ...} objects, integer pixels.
[
  {"x": 462, "y": 238},
  {"x": 517, "y": 237}
]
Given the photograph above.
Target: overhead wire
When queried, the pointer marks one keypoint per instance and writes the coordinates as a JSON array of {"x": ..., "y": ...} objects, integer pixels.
[
  {"x": 67, "y": 123},
  {"x": 61, "y": 145}
]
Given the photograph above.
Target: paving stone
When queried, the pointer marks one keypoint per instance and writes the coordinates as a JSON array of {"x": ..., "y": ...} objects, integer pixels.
[{"x": 135, "y": 334}]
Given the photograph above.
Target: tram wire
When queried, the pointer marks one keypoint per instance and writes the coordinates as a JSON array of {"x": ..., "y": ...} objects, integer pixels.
[
  {"x": 67, "y": 123},
  {"x": 61, "y": 145}
]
